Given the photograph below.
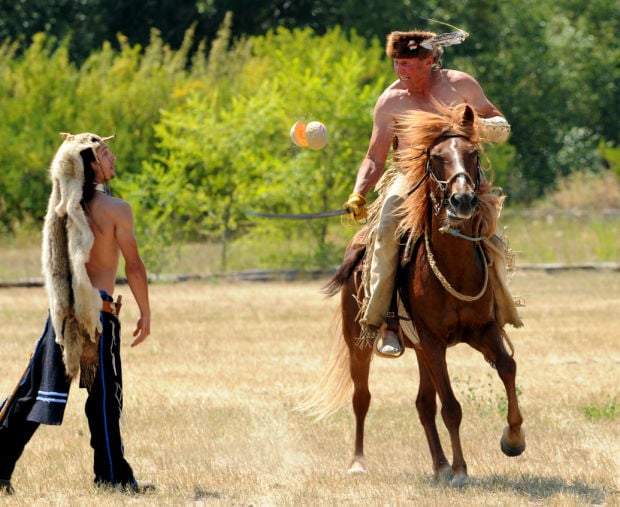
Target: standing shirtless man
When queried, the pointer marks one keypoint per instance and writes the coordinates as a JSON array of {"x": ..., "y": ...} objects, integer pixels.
[
  {"x": 420, "y": 85},
  {"x": 86, "y": 230}
]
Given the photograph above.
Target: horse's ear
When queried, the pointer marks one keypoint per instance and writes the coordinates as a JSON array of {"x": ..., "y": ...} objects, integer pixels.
[{"x": 467, "y": 117}]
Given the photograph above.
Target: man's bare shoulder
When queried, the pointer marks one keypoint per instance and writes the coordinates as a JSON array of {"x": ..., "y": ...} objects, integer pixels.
[
  {"x": 117, "y": 204},
  {"x": 112, "y": 208},
  {"x": 456, "y": 77},
  {"x": 391, "y": 97},
  {"x": 394, "y": 90}
]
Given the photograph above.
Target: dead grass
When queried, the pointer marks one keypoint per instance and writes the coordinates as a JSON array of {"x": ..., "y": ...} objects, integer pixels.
[
  {"x": 209, "y": 399},
  {"x": 586, "y": 190}
]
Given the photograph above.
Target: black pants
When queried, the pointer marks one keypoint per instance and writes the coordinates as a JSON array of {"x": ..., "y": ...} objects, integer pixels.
[
  {"x": 12, "y": 443},
  {"x": 103, "y": 409},
  {"x": 32, "y": 406}
]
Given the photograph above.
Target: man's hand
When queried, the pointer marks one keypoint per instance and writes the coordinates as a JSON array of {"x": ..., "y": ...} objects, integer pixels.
[
  {"x": 356, "y": 207},
  {"x": 143, "y": 329}
]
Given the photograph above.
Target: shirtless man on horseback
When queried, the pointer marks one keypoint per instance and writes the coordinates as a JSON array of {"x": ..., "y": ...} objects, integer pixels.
[{"x": 421, "y": 83}]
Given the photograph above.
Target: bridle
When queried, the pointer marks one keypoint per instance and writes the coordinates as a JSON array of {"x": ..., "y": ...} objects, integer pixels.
[{"x": 443, "y": 186}]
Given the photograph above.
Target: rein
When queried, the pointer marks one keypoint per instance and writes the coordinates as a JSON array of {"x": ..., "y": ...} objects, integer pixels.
[
  {"x": 442, "y": 279},
  {"x": 458, "y": 234}
]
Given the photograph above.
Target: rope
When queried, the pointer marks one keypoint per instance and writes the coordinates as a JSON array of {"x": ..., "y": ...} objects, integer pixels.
[
  {"x": 446, "y": 285},
  {"x": 458, "y": 234}
]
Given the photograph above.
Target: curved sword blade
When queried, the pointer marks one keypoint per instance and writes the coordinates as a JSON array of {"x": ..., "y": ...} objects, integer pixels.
[{"x": 297, "y": 216}]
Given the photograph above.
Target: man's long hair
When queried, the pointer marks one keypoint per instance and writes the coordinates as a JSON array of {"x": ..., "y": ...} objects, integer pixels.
[{"x": 88, "y": 190}]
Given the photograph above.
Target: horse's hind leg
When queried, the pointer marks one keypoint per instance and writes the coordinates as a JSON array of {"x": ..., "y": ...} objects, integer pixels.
[
  {"x": 359, "y": 367},
  {"x": 491, "y": 345},
  {"x": 426, "y": 404}
]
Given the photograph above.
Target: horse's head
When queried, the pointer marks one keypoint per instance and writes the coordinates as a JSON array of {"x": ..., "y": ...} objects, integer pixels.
[
  {"x": 442, "y": 159},
  {"x": 453, "y": 166}
]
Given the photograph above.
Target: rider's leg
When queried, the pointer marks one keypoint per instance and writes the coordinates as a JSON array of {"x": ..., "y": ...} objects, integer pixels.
[{"x": 384, "y": 265}]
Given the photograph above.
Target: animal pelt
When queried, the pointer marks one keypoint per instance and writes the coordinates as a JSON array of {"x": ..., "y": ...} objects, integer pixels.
[{"x": 74, "y": 303}]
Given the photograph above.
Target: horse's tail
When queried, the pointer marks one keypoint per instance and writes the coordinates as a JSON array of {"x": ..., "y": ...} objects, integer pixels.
[
  {"x": 354, "y": 253},
  {"x": 323, "y": 399}
]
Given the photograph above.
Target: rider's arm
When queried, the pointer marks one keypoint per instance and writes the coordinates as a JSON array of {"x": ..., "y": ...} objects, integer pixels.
[
  {"x": 372, "y": 166},
  {"x": 495, "y": 126}
]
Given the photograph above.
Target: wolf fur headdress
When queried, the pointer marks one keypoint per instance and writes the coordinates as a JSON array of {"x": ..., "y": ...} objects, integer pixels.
[
  {"x": 74, "y": 303},
  {"x": 420, "y": 44}
]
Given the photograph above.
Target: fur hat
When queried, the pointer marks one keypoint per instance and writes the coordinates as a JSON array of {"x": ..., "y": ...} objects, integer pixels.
[
  {"x": 409, "y": 44},
  {"x": 67, "y": 240}
]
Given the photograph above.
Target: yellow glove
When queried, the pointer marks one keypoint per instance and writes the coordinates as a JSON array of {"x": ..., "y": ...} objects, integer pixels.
[{"x": 356, "y": 207}]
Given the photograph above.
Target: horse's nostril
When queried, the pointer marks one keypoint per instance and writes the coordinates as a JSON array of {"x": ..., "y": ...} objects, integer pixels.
[
  {"x": 463, "y": 200},
  {"x": 456, "y": 200}
]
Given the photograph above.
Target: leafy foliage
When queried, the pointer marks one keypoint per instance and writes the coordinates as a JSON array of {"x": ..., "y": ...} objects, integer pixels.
[
  {"x": 222, "y": 153},
  {"x": 44, "y": 93}
]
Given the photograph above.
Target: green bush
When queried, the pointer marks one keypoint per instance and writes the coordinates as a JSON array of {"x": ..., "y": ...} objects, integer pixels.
[{"x": 226, "y": 149}]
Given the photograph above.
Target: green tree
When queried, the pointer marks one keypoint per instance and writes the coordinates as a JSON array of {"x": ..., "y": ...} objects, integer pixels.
[
  {"x": 36, "y": 89},
  {"x": 44, "y": 93},
  {"x": 222, "y": 153},
  {"x": 91, "y": 23}
]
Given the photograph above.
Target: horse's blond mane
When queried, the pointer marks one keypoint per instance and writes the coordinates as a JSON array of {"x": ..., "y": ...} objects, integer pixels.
[{"x": 417, "y": 131}]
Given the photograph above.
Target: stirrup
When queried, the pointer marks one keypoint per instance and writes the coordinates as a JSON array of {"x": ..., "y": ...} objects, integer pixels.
[{"x": 388, "y": 345}]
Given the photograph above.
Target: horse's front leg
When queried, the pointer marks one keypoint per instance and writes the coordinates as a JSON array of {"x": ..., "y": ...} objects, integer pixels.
[
  {"x": 433, "y": 353},
  {"x": 513, "y": 438},
  {"x": 492, "y": 347},
  {"x": 426, "y": 405}
]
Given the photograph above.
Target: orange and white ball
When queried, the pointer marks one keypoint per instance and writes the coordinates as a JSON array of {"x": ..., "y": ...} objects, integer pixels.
[{"x": 309, "y": 135}]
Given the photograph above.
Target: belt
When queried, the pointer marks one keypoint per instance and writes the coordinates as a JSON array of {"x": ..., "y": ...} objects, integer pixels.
[{"x": 112, "y": 307}]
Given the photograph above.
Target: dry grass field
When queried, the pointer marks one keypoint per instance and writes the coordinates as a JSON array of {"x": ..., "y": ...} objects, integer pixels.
[{"x": 209, "y": 401}]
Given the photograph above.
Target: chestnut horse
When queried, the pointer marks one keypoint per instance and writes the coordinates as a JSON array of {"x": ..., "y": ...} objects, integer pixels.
[{"x": 445, "y": 288}]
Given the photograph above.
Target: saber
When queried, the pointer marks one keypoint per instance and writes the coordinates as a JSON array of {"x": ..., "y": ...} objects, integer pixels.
[{"x": 297, "y": 216}]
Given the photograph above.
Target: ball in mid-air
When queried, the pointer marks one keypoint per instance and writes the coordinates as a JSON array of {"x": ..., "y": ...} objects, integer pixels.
[
  {"x": 316, "y": 135},
  {"x": 309, "y": 135},
  {"x": 298, "y": 134}
]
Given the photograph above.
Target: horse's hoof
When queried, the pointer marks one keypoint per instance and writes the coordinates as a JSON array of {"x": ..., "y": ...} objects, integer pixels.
[
  {"x": 459, "y": 480},
  {"x": 357, "y": 467},
  {"x": 512, "y": 446},
  {"x": 444, "y": 474}
]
